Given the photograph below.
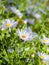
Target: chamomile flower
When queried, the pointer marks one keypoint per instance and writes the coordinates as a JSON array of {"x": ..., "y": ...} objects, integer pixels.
[
  {"x": 8, "y": 24},
  {"x": 43, "y": 56},
  {"x": 26, "y": 34},
  {"x": 45, "y": 40},
  {"x": 16, "y": 11}
]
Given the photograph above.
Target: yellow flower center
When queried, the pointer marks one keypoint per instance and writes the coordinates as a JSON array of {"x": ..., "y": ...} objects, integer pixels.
[
  {"x": 24, "y": 36},
  {"x": 8, "y": 24},
  {"x": 44, "y": 40},
  {"x": 42, "y": 56}
]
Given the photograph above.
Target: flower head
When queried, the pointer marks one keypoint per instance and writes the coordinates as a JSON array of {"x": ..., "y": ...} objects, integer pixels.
[
  {"x": 8, "y": 24},
  {"x": 43, "y": 56},
  {"x": 26, "y": 34},
  {"x": 45, "y": 40}
]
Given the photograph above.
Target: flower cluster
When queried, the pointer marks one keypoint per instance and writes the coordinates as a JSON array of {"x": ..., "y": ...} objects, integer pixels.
[{"x": 24, "y": 32}]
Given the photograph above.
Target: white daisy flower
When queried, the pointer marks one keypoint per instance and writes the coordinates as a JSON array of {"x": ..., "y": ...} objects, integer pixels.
[
  {"x": 16, "y": 11},
  {"x": 26, "y": 34},
  {"x": 8, "y": 24},
  {"x": 44, "y": 57},
  {"x": 45, "y": 40}
]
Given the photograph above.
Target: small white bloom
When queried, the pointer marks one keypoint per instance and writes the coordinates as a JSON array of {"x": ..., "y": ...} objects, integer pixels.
[
  {"x": 44, "y": 57},
  {"x": 16, "y": 11},
  {"x": 26, "y": 34},
  {"x": 45, "y": 40},
  {"x": 8, "y": 24}
]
